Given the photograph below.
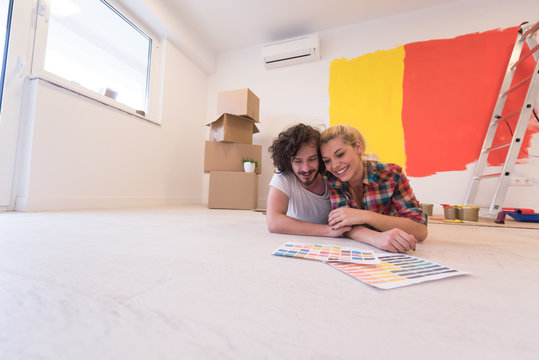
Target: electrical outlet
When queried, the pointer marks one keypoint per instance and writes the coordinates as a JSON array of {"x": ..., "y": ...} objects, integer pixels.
[{"x": 520, "y": 181}]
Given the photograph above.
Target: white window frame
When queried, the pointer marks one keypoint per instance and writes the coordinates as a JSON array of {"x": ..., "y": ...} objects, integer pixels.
[{"x": 37, "y": 70}]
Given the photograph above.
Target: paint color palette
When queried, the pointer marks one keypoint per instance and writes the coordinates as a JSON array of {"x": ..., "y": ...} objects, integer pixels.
[
  {"x": 396, "y": 270},
  {"x": 328, "y": 253}
]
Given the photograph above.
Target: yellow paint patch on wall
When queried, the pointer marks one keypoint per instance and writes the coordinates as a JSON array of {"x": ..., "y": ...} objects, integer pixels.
[{"x": 366, "y": 92}]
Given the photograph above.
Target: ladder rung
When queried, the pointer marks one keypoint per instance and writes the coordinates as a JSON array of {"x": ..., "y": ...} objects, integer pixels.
[
  {"x": 524, "y": 57},
  {"x": 506, "y": 117},
  {"x": 483, "y": 206},
  {"x": 517, "y": 85},
  {"x": 496, "y": 147},
  {"x": 481, "y": 177},
  {"x": 531, "y": 30}
]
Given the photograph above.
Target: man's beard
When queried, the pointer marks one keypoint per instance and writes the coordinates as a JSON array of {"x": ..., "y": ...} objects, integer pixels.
[{"x": 309, "y": 182}]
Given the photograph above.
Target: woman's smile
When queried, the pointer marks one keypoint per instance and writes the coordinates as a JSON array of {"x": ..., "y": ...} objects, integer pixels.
[{"x": 342, "y": 171}]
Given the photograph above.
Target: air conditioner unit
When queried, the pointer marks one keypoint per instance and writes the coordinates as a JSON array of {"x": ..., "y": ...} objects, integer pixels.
[{"x": 291, "y": 51}]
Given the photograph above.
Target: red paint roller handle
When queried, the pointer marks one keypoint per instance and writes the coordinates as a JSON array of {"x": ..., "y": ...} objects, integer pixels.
[{"x": 519, "y": 210}]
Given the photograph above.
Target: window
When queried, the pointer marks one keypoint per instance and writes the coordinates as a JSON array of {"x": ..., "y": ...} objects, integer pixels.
[{"x": 90, "y": 44}]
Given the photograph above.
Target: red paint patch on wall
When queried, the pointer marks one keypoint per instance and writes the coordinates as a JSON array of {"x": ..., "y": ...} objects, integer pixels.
[{"x": 450, "y": 88}]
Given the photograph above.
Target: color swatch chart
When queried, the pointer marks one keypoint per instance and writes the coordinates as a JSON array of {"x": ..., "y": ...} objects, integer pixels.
[
  {"x": 328, "y": 253},
  {"x": 396, "y": 270}
]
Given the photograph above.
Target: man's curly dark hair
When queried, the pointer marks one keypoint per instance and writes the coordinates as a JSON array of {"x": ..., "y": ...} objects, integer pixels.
[{"x": 288, "y": 143}]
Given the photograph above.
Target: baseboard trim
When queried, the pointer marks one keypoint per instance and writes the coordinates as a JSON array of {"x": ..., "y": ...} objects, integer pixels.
[{"x": 86, "y": 203}]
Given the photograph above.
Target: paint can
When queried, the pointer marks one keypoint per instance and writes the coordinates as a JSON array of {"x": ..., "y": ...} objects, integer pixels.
[
  {"x": 450, "y": 212},
  {"x": 468, "y": 213},
  {"x": 427, "y": 208}
]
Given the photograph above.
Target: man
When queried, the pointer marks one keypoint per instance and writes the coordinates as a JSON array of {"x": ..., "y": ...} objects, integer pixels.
[{"x": 298, "y": 199}]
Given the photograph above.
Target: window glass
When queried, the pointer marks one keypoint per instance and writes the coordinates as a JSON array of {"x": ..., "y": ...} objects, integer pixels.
[{"x": 91, "y": 44}]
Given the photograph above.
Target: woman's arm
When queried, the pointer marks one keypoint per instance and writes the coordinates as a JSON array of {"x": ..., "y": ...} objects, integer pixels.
[
  {"x": 279, "y": 222},
  {"x": 346, "y": 216},
  {"x": 394, "y": 240},
  {"x": 406, "y": 216}
]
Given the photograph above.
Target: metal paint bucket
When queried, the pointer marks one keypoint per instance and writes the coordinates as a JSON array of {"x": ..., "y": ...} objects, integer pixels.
[
  {"x": 450, "y": 212},
  {"x": 427, "y": 208},
  {"x": 468, "y": 213}
]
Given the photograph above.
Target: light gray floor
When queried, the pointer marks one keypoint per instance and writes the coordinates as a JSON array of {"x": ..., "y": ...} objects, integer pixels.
[{"x": 193, "y": 283}]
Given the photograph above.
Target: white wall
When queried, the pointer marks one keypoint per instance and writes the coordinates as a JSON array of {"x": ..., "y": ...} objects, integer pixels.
[
  {"x": 82, "y": 154},
  {"x": 299, "y": 93}
]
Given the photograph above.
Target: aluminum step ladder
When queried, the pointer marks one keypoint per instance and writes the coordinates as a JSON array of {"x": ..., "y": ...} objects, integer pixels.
[{"x": 526, "y": 34}]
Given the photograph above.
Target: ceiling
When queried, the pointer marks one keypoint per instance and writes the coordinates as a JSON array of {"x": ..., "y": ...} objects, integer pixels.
[{"x": 230, "y": 24}]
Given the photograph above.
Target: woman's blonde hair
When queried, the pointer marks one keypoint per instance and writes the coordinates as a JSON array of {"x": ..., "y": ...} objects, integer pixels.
[{"x": 348, "y": 133}]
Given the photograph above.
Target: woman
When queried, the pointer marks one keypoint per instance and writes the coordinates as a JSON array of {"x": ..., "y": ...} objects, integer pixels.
[{"x": 376, "y": 199}]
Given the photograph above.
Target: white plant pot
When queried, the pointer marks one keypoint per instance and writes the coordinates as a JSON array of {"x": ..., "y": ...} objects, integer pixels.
[{"x": 249, "y": 167}]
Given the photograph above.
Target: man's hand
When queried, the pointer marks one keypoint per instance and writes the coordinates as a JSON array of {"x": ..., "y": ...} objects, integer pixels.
[
  {"x": 394, "y": 240},
  {"x": 345, "y": 216},
  {"x": 332, "y": 232}
]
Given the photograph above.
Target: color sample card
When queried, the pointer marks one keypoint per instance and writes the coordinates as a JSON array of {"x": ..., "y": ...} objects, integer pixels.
[
  {"x": 328, "y": 253},
  {"x": 396, "y": 270}
]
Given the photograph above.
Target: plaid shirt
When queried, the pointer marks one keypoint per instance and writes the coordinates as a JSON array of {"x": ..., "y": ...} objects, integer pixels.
[{"x": 386, "y": 190}]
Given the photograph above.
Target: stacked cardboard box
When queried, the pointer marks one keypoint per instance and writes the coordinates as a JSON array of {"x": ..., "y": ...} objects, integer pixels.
[{"x": 230, "y": 141}]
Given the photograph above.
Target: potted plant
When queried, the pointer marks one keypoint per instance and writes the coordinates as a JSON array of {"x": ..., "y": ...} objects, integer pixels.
[{"x": 249, "y": 165}]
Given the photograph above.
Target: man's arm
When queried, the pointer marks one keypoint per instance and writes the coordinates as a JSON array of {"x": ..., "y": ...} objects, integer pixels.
[{"x": 279, "y": 222}]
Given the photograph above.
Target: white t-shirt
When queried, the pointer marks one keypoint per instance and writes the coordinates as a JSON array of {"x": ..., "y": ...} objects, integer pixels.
[{"x": 302, "y": 204}]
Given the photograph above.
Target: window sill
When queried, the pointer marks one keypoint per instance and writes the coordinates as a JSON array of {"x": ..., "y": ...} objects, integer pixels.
[{"x": 79, "y": 90}]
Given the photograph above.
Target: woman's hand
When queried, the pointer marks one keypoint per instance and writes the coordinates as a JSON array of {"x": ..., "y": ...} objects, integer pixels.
[
  {"x": 345, "y": 216},
  {"x": 394, "y": 240}
]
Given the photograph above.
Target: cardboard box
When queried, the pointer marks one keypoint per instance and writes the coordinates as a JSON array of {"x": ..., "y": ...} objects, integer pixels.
[
  {"x": 225, "y": 156},
  {"x": 242, "y": 102},
  {"x": 233, "y": 190},
  {"x": 233, "y": 128}
]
